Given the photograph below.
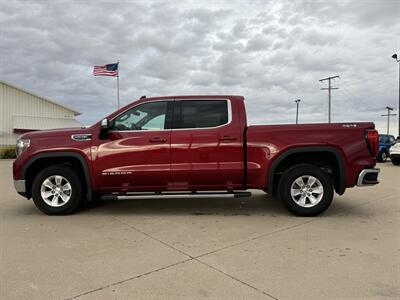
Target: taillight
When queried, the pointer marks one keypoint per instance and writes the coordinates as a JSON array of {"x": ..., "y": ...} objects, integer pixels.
[{"x": 373, "y": 142}]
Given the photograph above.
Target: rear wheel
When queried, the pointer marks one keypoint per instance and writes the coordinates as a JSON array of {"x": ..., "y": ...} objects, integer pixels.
[
  {"x": 382, "y": 156},
  {"x": 57, "y": 190},
  {"x": 396, "y": 162},
  {"x": 306, "y": 190}
]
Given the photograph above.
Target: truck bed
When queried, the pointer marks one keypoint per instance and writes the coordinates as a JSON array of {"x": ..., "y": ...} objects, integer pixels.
[{"x": 266, "y": 144}]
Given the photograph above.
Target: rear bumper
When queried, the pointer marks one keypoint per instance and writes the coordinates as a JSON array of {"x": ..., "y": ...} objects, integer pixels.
[{"x": 368, "y": 177}]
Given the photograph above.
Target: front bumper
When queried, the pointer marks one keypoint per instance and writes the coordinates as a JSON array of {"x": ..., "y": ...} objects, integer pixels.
[
  {"x": 20, "y": 186},
  {"x": 368, "y": 177}
]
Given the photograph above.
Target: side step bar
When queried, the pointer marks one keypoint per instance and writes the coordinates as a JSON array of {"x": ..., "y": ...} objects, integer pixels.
[{"x": 185, "y": 194}]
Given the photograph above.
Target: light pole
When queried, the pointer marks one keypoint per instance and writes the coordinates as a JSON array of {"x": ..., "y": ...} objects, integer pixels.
[
  {"x": 297, "y": 110},
  {"x": 389, "y": 109},
  {"x": 394, "y": 56}
]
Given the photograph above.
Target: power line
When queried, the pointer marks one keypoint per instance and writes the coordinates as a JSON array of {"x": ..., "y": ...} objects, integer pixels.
[
  {"x": 346, "y": 94},
  {"x": 361, "y": 97},
  {"x": 366, "y": 91},
  {"x": 366, "y": 81},
  {"x": 329, "y": 88}
]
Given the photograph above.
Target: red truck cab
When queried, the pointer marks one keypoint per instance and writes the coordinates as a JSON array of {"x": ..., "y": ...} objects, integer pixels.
[{"x": 193, "y": 144}]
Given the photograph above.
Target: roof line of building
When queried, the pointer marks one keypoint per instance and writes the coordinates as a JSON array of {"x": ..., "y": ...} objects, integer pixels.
[
  {"x": 35, "y": 116},
  {"x": 76, "y": 113}
]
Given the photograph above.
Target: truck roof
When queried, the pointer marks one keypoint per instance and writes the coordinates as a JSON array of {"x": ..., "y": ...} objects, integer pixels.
[
  {"x": 144, "y": 99},
  {"x": 199, "y": 97}
]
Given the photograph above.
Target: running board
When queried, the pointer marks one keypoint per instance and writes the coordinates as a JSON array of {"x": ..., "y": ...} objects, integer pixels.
[{"x": 185, "y": 194}]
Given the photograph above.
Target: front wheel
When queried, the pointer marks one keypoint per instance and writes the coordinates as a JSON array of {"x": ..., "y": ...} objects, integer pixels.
[
  {"x": 57, "y": 190},
  {"x": 306, "y": 190}
]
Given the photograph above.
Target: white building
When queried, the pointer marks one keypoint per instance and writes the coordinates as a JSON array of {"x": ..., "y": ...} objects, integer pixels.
[{"x": 22, "y": 111}]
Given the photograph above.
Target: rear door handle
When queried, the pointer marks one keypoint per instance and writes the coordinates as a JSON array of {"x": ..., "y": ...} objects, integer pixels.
[
  {"x": 157, "y": 140},
  {"x": 227, "y": 138}
]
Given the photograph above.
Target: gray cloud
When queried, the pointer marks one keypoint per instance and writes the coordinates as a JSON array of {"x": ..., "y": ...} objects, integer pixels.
[
  {"x": 258, "y": 42},
  {"x": 272, "y": 52}
]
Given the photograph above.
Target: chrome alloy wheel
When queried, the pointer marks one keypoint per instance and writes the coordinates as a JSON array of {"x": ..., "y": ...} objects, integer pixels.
[
  {"x": 56, "y": 191},
  {"x": 307, "y": 191},
  {"x": 384, "y": 156}
]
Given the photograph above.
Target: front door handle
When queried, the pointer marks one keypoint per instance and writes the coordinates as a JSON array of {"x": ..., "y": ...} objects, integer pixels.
[
  {"x": 227, "y": 138},
  {"x": 157, "y": 140}
]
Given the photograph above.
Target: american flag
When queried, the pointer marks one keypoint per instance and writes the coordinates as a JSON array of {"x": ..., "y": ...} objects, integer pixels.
[{"x": 107, "y": 70}]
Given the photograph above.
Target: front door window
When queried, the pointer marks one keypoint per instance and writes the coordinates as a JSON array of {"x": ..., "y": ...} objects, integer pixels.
[{"x": 147, "y": 116}]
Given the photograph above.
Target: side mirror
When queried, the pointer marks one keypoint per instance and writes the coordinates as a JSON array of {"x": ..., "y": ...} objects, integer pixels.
[
  {"x": 105, "y": 124},
  {"x": 104, "y": 127}
]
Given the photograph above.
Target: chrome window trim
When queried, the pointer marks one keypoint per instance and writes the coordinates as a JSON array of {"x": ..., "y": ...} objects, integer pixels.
[
  {"x": 229, "y": 106},
  {"x": 158, "y": 130},
  {"x": 129, "y": 108},
  {"x": 228, "y": 103}
]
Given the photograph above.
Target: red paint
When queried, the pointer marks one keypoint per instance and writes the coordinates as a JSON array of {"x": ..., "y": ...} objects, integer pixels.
[
  {"x": 198, "y": 159},
  {"x": 143, "y": 160}
]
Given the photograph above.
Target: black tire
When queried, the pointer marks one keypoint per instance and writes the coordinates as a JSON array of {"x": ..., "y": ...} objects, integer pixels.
[
  {"x": 288, "y": 178},
  {"x": 382, "y": 156},
  {"x": 77, "y": 190},
  {"x": 396, "y": 162}
]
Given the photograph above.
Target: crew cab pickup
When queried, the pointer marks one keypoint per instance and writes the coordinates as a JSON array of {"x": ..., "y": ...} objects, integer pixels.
[{"x": 193, "y": 145}]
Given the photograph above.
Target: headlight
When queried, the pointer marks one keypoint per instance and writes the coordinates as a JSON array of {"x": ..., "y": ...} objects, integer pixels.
[
  {"x": 395, "y": 147},
  {"x": 22, "y": 144}
]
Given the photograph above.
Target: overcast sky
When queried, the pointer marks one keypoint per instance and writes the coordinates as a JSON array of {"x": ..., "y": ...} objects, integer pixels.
[{"x": 271, "y": 52}]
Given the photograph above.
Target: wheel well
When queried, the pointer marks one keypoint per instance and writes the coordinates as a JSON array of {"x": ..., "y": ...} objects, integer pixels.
[
  {"x": 325, "y": 160},
  {"x": 382, "y": 149},
  {"x": 45, "y": 162}
]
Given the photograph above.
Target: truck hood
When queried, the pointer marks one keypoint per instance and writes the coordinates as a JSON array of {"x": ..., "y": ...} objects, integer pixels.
[{"x": 55, "y": 133}]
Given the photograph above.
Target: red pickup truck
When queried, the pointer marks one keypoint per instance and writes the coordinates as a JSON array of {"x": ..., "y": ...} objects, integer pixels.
[{"x": 193, "y": 145}]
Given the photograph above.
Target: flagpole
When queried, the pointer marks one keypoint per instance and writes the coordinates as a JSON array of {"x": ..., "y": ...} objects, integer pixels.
[
  {"x": 118, "y": 90},
  {"x": 118, "y": 87}
]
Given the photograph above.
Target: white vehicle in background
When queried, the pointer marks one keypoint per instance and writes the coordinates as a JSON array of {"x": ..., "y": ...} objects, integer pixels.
[{"x": 394, "y": 152}]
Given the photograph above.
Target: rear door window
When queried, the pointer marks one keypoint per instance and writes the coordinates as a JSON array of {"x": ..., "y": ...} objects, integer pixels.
[{"x": 192, "y": 114}]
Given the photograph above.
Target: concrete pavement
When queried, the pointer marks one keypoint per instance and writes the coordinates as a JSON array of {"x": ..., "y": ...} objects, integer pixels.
[{"x": 216, "y": 248}]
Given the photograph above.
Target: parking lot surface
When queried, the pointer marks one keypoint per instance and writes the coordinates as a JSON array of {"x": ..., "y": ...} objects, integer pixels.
[{"x": 196, "y": 248}]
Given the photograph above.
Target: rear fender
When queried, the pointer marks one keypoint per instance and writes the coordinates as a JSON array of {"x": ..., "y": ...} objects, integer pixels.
[{"x": 340, "y": 189}]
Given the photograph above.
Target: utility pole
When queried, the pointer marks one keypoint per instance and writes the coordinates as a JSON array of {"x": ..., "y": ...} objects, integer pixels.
[
  {"x": 297, "y": 110},
  {"x": 329, "y": 88},
  {"x": 389, "y": 109}
]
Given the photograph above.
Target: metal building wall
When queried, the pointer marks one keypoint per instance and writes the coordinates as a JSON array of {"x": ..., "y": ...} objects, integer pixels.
[{"x": 14, "y": 102}]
